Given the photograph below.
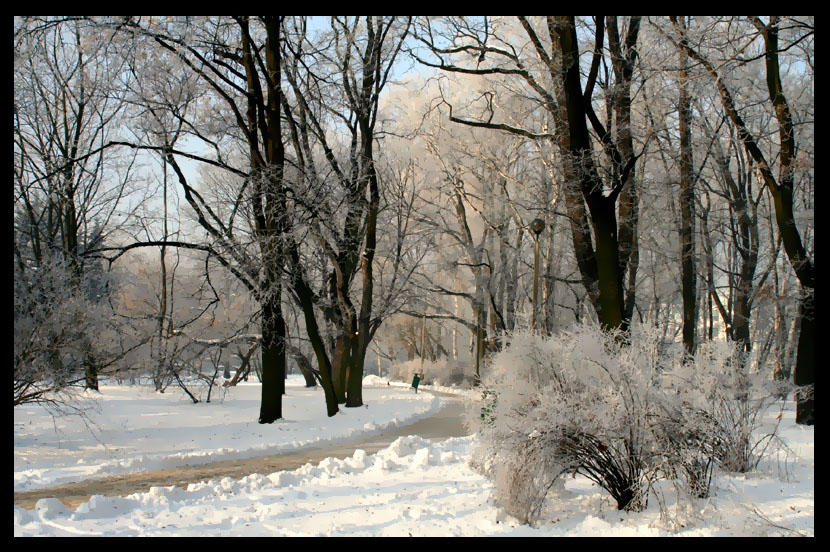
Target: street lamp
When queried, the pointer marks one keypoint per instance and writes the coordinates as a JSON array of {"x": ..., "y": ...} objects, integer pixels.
[{"x": 537, "y": 226}]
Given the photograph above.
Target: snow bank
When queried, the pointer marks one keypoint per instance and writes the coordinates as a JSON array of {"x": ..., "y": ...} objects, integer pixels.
[
  {"x": 418, "y": 488},
  {"x": 134, "y": 429},
  {"x": 413, "y": 487}
]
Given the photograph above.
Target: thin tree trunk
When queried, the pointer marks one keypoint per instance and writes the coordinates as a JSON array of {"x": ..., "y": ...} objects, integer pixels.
[
  {"x": 687, "y": 213},
  {"x": 455, "y": 332},
  {"x": 162, "y": 358}
]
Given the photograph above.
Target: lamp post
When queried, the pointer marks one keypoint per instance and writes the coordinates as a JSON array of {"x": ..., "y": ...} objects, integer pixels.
[
  {"x": 423, "y": 342},
  {"x": 537, "y": 226}
]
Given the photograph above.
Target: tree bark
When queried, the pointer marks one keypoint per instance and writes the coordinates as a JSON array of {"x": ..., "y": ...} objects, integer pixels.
[
  {"x": 687, "y": 203},
  {"x": 806, "y": 361},
  {"x": 273, "y": 361},
  {"x": 600, "y": 268}
]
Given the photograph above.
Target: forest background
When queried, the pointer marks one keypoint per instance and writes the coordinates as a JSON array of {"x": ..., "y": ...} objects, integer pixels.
[{"x": 194, "y": 195}]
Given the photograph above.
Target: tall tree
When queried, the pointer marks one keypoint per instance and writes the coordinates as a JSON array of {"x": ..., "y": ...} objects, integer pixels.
[
  {"x": 687, "y": 203},
  {"x": 248, "y": 64},
  {"x": 735, "y": 186},
  {"x": 354, "y": 65},
  {"x": 68, "y": 189},
  {"x": 604, "y": 249},
  {"x": 781, "y": 188},
  {"x": 239, "y": 61}
]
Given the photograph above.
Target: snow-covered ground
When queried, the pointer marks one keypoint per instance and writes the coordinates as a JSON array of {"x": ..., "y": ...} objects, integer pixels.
[
  {"x": 413, "y": 487},
  {"x": 132, "y": 428}
]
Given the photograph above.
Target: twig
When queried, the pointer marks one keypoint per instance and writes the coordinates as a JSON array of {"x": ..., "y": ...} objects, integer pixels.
[{"x": 754, "y": 510}]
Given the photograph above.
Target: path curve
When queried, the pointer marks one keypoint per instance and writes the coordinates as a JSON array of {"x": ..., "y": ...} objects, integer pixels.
[{"x": 445, "y": 423}]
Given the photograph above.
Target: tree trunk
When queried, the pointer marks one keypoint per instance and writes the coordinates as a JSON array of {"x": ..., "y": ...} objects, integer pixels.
[
  {"x": 600, "y": 268},
  {"x": 454, "y": 332},
  {"x": 624, "y": 56},
  {"x": 161, "y": 362},
  {"x": 273, "y": 358},
  {"x": 805, "y": 362},
  {"x": 340, "y": 362},
  {"x": 354, "y": 385},
  {"x": 305, "y": 298},
  {"x": 269, "y": 209},
  {"x": 687, "y": 210},
  {"x": 303, "y": 364}
]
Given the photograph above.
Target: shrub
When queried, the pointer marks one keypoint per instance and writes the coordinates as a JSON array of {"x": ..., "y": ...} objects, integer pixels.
[
  {"x": 623, "y": 412},
  {"x": 580, "y": 402},
  {"x": 440, "y": 372},
  {"x": 718, "y": 408},
  {"x": 689, "y": 447}
]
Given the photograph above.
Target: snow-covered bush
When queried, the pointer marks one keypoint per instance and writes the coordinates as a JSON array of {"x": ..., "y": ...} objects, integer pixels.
[
  {"x": 57, "y": 328},
  {"x": 624, "y": 411},
  {"x": 583, "y": 401},
  {"x": 689, "y": 446},
  {"x": 716, "y": 413}
]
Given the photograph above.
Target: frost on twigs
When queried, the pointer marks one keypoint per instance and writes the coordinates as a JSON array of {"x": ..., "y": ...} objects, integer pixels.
[
  {"x": 57, "y": 329},
  {"x": 623, "y": 411},
  {"x": 715, "y": 415},
  {"x": 579, "y": 402}
]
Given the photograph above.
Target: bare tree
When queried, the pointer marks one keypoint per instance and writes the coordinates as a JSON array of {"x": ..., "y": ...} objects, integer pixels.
[
  {"x": 354, "y": 65},
  {"x": 781, "y": 188},
  {"x": 604, "y": 249},
  {"x": 687, "y": 203},
  {"x": 70, "y": 195},
  {"x": 261, "y": 234}
]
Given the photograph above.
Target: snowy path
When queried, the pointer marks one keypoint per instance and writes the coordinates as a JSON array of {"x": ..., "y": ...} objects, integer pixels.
[
  {"x": 130, "y": 428},
  {"x": 411, "y": 487},
  {"x": 443, "y": 424}
]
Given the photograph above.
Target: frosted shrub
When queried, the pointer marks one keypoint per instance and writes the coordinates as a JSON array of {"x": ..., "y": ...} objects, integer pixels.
[
  {"x": 623, "y": 412},
  {"x": 402, "y": 371},
  {"x": 717, "y": 412},
  {"x": 579, "y": 402},
  {"x": 689, "y": 446}
]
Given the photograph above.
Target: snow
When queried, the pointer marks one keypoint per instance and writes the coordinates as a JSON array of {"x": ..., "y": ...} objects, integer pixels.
[
  {"x": 133, "y": 428},
  {"x": 413, "y": 487}
]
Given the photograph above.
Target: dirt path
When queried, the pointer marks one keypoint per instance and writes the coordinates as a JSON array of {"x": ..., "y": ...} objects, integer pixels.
[{"x": 445, "y": 423}]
